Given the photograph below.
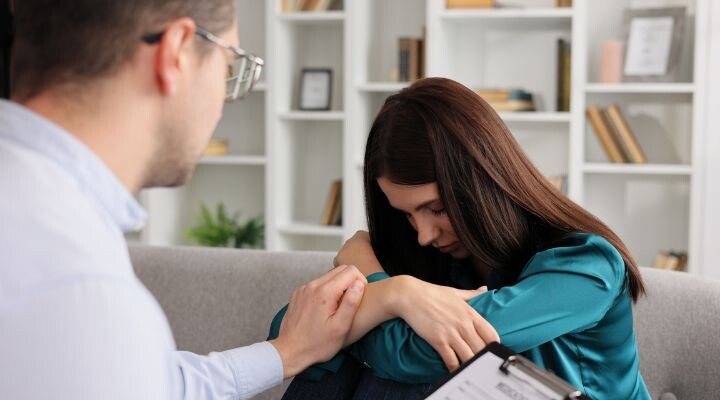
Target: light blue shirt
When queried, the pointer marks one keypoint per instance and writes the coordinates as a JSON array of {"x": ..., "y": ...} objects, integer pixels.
[{"x": 75, "y": 321}]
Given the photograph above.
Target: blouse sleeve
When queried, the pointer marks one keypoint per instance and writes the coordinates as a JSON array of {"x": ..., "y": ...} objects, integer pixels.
[{"x": 562, "y": 290}]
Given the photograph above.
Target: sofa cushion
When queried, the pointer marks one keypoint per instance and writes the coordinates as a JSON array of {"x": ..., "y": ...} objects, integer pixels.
[{"x": 678, "y": 332}]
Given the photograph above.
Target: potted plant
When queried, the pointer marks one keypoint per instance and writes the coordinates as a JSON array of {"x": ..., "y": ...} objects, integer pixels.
[{"x": 223, "y": 230}]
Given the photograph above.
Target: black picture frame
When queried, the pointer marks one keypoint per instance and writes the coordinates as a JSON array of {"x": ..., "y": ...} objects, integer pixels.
[{"x": 315, "y": 93}]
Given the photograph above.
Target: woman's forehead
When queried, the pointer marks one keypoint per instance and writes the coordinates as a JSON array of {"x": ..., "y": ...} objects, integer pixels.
[{"x": 408, "y": 197}]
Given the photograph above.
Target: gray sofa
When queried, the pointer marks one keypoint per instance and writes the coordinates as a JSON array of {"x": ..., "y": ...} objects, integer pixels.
[{"x": 217, "y": 299}]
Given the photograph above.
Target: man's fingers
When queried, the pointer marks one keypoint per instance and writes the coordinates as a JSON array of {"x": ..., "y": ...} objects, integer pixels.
[
  {"x": 349, "y": 304},
  {"x": 485, "y": 330},
  {"x": 341, "y": 281},
  {"x": 321, "y": 280},
  {"x": 449, "y": 358}
]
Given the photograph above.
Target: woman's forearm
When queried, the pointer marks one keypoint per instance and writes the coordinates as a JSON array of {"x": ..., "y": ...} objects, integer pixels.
[{"x": 381, "y": 302}]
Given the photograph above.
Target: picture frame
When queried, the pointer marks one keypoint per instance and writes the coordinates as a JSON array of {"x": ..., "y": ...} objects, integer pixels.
[
  {"x": 653, "y": 39},
  {"x": 315, "y": 92}
]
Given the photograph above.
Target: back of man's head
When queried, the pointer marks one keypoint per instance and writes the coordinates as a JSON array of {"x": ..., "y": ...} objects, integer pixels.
[{"x": 61, "y": 42}]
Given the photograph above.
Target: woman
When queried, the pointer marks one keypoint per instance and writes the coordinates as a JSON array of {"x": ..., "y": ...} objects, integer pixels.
[{"x": 452, "y": 200}]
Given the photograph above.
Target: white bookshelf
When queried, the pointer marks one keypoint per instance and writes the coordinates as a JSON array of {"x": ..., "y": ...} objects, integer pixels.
[{"x": 283, "y": 160}]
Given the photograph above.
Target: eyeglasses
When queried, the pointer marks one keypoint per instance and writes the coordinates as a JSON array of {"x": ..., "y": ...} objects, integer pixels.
[{"x": 242, "y": 73}]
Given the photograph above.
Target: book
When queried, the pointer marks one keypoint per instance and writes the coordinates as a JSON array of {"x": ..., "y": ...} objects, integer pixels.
[
  {"x": 411, "y": 65},
  {"x": 336, "y": 218},
  {"x": 287, "y": 6},
  {"x": 308, "y": 5},
  {"x": 517, "y": 100},
  {"x": 216, "y": 147},
  {"x": 470, "y": 3},
  {"x": 559, "y": 182},
  {"x": 322, "y": 5},
  {"x": 627, "y": 139},
  {"x": 563, "y": 75},
  {"x": 494, "y": 94},
  {"x": 414, "y": 60},
  {"x": 671, "y": 260},
  {"x": 421, "y": 54},
  {"x": 403, "y": 59},
  {"x": 332, "y": 203},
  {"x": 602, "y": 131}
]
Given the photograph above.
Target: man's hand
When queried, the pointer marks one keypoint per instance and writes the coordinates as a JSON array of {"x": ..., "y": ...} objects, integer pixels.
[
  {"x": 358, "y": 251},
  {"x": 442, "y": 317},
  {"x": 319, "y": 318}
]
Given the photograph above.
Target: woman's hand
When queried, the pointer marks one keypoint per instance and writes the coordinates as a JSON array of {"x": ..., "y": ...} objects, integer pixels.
[
  {"x": 358, "y": 251},
  {"x": 442, "y": 317}
]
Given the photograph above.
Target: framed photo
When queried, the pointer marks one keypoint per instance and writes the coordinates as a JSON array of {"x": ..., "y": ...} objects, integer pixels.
[
  {"x": 315, "y": 89},
  {"x": 653, "y": 38}
]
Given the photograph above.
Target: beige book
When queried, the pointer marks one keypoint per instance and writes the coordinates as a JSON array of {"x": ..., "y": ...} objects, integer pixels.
[
  {"x": 612, "y": 149},
  {"x": 625, "y": 134},
  {"x": 330, "y": 203}
]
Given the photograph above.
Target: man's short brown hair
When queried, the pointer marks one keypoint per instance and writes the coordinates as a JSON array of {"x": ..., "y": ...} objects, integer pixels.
[{"x": 72, "y": 41}]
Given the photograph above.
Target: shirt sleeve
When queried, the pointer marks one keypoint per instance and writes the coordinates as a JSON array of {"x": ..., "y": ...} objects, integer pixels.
[
  {"x": 239, "y": 373},
  {"x": 562, "y": 290},
  {"x": 91, "y": 338}
]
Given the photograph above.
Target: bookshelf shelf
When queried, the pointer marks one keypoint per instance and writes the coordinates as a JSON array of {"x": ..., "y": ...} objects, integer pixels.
[
  {"x": 560, "y": 14},
  {"x": 303, "y": 228},
  {"x": 637, "y": 169},
  {"x": 234, "y": 160},
  {"x": 512, "y": 18},
  {"x": 383, "y": 87},
  {"x": 326, "y": 17},
  {"x": 552, "y": 117},
  {"x": 313, "y": 116},
  {"x": 641, "y": 88}
]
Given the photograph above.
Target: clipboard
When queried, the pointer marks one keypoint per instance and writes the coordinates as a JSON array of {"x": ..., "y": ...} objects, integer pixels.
[{"x": 497, "y": 373}]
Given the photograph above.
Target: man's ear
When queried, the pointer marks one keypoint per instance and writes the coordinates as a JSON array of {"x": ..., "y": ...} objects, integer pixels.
[{"x": 173, "y": 54}]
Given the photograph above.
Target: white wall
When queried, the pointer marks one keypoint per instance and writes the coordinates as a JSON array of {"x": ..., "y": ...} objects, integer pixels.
[{"x": 711, "y": 207}]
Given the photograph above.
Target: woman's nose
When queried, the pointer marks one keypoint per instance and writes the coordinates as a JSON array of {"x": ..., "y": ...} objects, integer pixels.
[{"x": 427, "y": 233}]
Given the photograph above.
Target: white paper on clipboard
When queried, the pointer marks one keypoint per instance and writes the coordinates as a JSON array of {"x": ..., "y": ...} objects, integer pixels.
[{"x": 484, "y": 380}]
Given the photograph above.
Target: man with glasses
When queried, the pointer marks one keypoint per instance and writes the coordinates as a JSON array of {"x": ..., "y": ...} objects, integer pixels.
[{"x": 110, "y": 97}]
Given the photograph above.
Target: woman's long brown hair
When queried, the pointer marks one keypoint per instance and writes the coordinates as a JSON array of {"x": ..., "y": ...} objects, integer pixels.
[{"x": 501, "y": 207}]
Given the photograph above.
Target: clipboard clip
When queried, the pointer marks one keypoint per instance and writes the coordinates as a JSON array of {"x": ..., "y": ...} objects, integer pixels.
[{"x": 548, "y": 379}]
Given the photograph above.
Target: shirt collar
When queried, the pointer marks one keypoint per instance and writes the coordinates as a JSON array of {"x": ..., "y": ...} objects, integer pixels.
[{"x": 31, "y": 130}]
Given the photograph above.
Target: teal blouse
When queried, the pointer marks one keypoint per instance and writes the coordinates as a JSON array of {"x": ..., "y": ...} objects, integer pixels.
[{"x": 569, "y": 312}]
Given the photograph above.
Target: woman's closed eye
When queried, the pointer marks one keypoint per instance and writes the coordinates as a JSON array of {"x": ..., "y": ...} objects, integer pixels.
[{"x": 437, "y": 212}]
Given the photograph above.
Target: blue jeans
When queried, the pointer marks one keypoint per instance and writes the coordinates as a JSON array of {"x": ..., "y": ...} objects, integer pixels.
[{"x": 353, "y": 381}]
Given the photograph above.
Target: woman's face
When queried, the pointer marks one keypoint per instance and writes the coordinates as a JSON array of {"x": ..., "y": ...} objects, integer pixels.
[{"x": 426, "y": 213}]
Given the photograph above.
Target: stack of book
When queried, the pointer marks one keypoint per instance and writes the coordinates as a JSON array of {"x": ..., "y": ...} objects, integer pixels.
[
  {"x": 332, "y": 214},
  {"x": 411, "y": 59},
  {"x": 671, "y": 260},
  {"x": 310, "y": 5},
  {"x": 615, "y": 135},
  {"x": 508, "y": 100},
  {"x": 216, "y": 147}
]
